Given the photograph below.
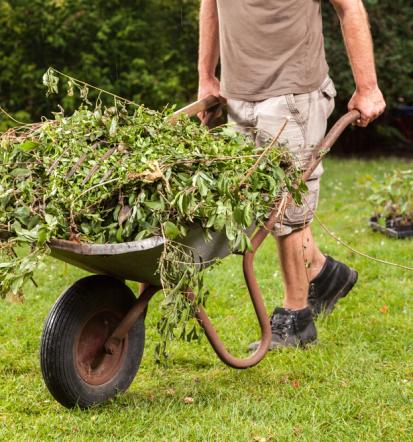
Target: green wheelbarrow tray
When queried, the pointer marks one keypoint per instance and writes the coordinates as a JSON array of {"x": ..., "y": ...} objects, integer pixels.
[{"x": 93, "y": 338}]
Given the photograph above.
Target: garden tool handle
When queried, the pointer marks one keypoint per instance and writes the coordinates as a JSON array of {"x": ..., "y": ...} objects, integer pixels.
[
  {"x": 328, "y": 141},
  {"x": 199, "y": 106}
]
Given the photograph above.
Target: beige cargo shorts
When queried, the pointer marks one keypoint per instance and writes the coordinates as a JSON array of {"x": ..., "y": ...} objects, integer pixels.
[{"x": 307, "y": 116}]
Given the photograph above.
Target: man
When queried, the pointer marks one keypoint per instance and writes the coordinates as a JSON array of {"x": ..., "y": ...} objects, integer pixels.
[{"x": 273, "y": 69}]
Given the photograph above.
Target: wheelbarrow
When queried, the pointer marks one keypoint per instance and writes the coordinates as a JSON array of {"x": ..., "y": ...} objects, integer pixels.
[{"x": 93, "y": 338}]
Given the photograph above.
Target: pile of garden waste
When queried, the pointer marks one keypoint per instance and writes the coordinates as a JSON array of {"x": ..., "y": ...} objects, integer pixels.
[{"x": 124, "y": 173}]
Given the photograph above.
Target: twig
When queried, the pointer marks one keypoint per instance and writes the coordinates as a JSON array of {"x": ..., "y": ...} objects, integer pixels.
[
  {"x": 94, "y": 187},
  {"x": 95, "y": 87},
  {"x": 10, "y": 117},
  {"x": 352, "y": 249},
  {"x": 264, "y": 152},
  {"x": 210, "y": 159},
  {"x": 31, "y": 277}
]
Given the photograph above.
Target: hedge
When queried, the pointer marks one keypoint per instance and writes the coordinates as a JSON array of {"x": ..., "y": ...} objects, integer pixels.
[{"x": 146, "y": 50}]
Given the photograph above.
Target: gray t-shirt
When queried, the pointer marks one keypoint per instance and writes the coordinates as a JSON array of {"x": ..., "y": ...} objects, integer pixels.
[{"x": 270, "y": 48}]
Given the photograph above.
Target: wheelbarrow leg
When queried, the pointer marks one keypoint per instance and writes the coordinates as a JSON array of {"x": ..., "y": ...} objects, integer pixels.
[
  {"x": 147, "y": 291},
  {"x": 259, "y": 307}
]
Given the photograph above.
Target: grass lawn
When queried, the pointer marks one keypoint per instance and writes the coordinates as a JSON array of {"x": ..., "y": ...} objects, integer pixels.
[{"x": 356, "y": 384}]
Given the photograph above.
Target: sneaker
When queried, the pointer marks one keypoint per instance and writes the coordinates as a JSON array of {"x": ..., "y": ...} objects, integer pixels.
[
  {"x": 290, "y": 328},
  {"x": 333, "y": 282}
]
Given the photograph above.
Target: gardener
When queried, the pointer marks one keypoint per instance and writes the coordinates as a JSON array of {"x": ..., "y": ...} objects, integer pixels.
[{"x": 273, "y": 70}]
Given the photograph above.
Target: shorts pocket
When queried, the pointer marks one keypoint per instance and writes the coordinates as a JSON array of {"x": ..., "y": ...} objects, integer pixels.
[
  {"x": 299, "y": 106},
  {"x": 328, "y": 89},
  {"x": 327, "y": 94},
  {"x": 301, "y": 215}
]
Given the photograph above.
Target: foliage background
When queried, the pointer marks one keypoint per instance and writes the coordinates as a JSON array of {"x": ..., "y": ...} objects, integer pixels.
[
  {"x": 146, "y": 50},
  {"x": 143, "y": 50}
]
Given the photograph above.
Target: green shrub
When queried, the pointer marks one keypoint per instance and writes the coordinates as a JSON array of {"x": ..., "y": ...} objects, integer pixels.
[
  {"x": 143, "y": 50},
  {"x": 392, "y": 29},
  {"x": 146, "y": 50},
  {"x": 392, "y": 198}
]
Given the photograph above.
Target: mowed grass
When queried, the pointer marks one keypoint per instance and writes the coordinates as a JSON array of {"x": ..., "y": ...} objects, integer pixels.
[{"x": 356, "y": 384}]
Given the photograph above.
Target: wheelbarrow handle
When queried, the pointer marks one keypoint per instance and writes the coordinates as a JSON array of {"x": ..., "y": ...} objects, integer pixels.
[{"x": 198, "y": 106}]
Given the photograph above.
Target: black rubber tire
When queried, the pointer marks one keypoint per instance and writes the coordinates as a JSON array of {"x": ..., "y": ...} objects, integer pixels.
[{"x": 86, "y": 302}]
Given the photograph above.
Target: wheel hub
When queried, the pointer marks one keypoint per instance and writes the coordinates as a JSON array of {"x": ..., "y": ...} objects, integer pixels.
[{"x": 94, "y": 365}]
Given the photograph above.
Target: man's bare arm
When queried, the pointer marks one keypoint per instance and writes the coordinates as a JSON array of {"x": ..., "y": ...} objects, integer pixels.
[
  {"x": 367, "y": 98},
  {"x": 208, "y": 50}
]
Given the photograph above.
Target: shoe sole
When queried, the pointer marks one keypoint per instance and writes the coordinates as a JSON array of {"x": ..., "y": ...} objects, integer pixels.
[
  {"x": 280, "y": 346},
  {"x": 351, "y": 281}
]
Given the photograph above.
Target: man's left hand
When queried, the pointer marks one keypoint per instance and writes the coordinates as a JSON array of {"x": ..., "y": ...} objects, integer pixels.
[{"x": 370, "y": 103}]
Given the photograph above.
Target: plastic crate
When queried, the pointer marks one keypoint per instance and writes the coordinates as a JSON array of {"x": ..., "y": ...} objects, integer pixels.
[{"x": 399, "y": 232}]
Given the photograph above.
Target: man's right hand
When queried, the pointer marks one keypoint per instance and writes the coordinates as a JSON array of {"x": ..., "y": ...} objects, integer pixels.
[
  {"x": 208, "y": 86},
  {"x": 370, "y": 103}
]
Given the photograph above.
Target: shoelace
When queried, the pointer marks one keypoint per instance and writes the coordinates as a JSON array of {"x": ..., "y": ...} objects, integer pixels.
[
  {"x": 281, "y": 325},
  {"x": 312, "y": 292}
]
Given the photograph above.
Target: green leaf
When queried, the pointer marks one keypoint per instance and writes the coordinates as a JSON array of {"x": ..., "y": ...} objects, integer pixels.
[
  {"x": 28, "y": 145},
  {"x": 219, "y": 222},
  {"x": 51, "y": 81},
  {"x": 17, "y": 284},
  {"x": 248, "y": 218},
  {"x": 4, "y": 265},
  {"x": 119, "y": 233},
  {"x": 20, "y": 172},
  {"x": 230, "y": 231},
  {"x": 171, "y": 230},
  {"x": 51, "y": 220},
  {"x": 154, "y": 205},
  {"x": 113, "y": 127},
  {"x": 42, "y": 236}
]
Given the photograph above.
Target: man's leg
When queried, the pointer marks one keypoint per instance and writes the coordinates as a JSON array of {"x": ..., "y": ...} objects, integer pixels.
[
  {"x": 293, "y": 325},
  {"x": 300, "y": 257},
  {"x": 301, "y": 261},
  {"x": 310, "y": 278},
  {"x": 326, "y": 280}
]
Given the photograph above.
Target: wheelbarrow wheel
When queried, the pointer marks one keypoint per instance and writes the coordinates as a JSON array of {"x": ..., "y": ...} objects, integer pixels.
[{"x": 75, "y": 366}]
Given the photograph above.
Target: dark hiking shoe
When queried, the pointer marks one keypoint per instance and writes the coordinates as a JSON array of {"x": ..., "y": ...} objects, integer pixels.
[
  {"x": 290, "y": 328},
  {"x": 333, "y": 282}
]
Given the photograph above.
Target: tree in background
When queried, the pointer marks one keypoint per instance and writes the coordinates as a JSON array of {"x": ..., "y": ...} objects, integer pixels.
[
  {"x": 143, "y": 50},
  {"x": 146, "y": 50},
  {"x": 392, "y": 28}
]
